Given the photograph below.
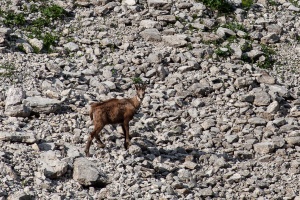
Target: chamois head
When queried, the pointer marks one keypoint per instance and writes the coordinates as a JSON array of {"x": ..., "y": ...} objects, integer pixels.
[{"x": 140, "y": 90}]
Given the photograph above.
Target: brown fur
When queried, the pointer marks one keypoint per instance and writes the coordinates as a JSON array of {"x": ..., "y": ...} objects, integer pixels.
[{"x": 114, "y": 111}]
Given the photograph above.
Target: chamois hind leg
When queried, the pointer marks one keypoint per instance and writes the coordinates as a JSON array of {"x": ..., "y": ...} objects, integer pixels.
[
  {"x": 123, "y": 128},
  {"x": 100, "y": 143},
  {"x": 127, "y": 139},
  {"x": 91, "y": 137}
]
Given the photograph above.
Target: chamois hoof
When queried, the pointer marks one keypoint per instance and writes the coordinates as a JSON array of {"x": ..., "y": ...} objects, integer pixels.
[
  {"x": 127, "y": 145},
  {"x": 87, "y": 154}
]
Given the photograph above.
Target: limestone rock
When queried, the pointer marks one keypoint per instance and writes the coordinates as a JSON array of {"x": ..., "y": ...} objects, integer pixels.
[{"x": 86, "y": 173}]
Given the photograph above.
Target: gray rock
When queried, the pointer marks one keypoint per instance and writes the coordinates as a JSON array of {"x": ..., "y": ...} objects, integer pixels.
[
  {"x": 281, "y": 90},
  {"x": 6, "y": 170},
  {"x": 210, "y": 37},
  {"x": 273, "y": 107},
  {"x": 235, "y": 178},
  {"x": 175, "y": 40},
  {"x": 293, "y": 8},
  {"x": 293, "y": 141},
  {"x": 129, "y": 2},
  {"x": 257, "y": 121},
  {"x": 193, "y": 112},
  {"x": 42, "y": 105},
  {"x": 184, "y": 174},
  {"x": 206, "y": 192},
  {"x": 262, "y": 98},
  {"x": 26, "y": 47},
  {"x": 266, "y": 78},
  {"x": 24, "y": 137},
  {"x": 88, "y": 174},
  {"x": 160, "y": 4},
  {"x": 247, "y": 98},
  {"x": 155, "y": 58},
  {"x": 111, "y": 85},
  {"x": 279, "y": 122},
  {"x": 36, "y": 44},
  {"x": 17, "y": 111},
  {"x": 15, "y": 96},
  {"x": 208, "y": 124},
  {"x": 232, "y": 138},
  {"x": 107, "y": 42},
  {"x": 190, "y": 165},
  {"x": 224, "y": 32},
  {"x": 151, "y": 35},
  {"x": 243, "y": 82},
  {"x": 150, "y": 73},
  {"x": 148, "y": 24},
  {"x": 166, "y": 18},
  {"x": 135, "y": 150},
  {"x": 51, "y": 166},
  {"x": 183, "y": 69},
  {"x": 237, "y": 50},
  {"x": 103, "y": 10},
  {"x": 162, "y": 72},
  {"x": 271, "y": 38},
  {"x": 253, "y": 54},
  {"x": 71, "y": 46},
  {"x": 200, "y": 89},
  {"x": 264, "y": 147},
  {"x": 20, "y": 195}
]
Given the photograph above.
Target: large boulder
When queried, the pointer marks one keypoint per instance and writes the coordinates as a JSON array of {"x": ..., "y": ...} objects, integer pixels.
[
  {"x": 43, "y": 105},
  {"x": 13, "y": 103},
  {"x": 24, "y": 137},
  {"x": 51, "y": 165},
  {"x": 86, "y": 173}
]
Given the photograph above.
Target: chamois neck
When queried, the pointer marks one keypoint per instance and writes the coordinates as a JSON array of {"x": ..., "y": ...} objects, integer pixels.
[{"x": 136, "y": 101}]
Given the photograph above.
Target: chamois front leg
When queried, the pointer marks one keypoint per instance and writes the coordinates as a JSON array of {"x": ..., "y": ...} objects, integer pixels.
[
  {"x": 127, "y": 142},
  {"x": 93, "y": 134}
]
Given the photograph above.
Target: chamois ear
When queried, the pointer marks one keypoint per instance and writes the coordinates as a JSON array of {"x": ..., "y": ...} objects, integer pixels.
[{"x": 136, "y": 86}]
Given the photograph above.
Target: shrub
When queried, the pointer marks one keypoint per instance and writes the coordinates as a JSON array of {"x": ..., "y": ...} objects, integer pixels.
[
  {"x": 137, "y": 80},
  {"x": 13, "y": 19},
  {"x": 49, "y": 40},
  {"x": 246, "y": 4},
  {"x": 53, "y": 12}
]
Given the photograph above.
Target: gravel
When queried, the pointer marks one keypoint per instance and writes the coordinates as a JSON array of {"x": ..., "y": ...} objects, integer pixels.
[{"x": 214, "y": 124}]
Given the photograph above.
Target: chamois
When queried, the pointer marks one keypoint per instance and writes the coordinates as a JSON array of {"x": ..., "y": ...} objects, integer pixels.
[{"x": 114, "y": 111}]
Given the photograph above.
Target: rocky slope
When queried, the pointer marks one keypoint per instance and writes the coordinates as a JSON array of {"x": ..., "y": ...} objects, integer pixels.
[{"x": 219, "y": 120}]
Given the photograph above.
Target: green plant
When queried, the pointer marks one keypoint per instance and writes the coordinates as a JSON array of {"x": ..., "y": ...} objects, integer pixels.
[
  {"x": 21, "y": 48},
  {"x": 35, "y": 49},
  {"x": 246, "y": 4},
  {"x": 234, "y": 26},
  {"x": 53, "y": 12},
  {"x": 137, "y": 80},
  {"x": 114, "y": 71},
  {"x": 222, "y": 52},
  {"x": 294, "y": 2},
  {"x": 41, "y": 22},
  {"x": 267, "y": 50},
  {"x": 247, "y": 46},
  {"x": 33, "y": 8},
  {"x": 190, "y": 46},
  {"x": 232, "y": 39},
  {"x": 222, "y": 6},
  {"x": 49, "y": 40},
  {"x": 13, "y": 19},
  {"x": 272, "y": 3},
  {"x": 268, "y": 53}
]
